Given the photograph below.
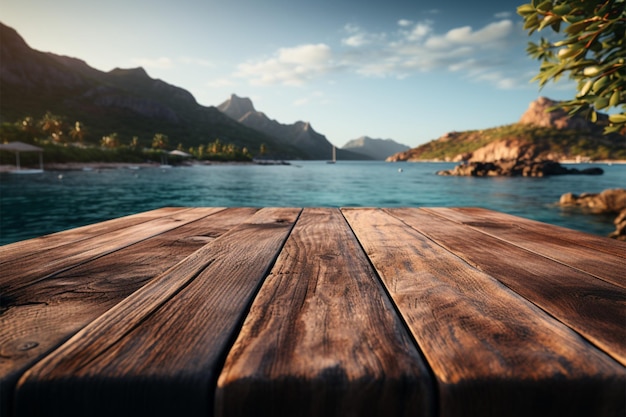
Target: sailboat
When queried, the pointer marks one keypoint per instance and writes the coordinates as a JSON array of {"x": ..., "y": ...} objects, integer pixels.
[{"x": 332, "y": 161}]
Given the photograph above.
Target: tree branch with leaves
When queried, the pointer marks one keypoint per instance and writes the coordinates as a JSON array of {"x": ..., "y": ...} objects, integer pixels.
[{"x": 592, "y": 52}]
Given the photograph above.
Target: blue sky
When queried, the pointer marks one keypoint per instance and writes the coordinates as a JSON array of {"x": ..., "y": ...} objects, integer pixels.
[{"x": 406, "y": 70}]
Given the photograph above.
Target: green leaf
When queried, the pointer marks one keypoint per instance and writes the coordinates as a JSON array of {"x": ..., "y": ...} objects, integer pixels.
[
  {"x": 545, "y": 6},
  {"x": 525, "y": 9},
  {"x": 586, "y": 88},
  {"x": 576, "y": 28},
  {"x": 615, "y": 98},
  {"x": 599, "y": 84},
  {"x": 591, "y": 71},
  {"x": 549, "y": 20},
  {"x": 601, "y": 103},
  {"x": 531, "y": 22},
  {"x": 562, "y": 9},
  {"x": 617, "y": 118},
  {"x": 571, "y": 51}
]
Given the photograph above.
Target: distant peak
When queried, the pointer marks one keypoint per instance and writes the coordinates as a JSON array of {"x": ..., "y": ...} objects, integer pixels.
[
  {"x": 236, "y": 107},
  {"x": 139, "y": 71}
]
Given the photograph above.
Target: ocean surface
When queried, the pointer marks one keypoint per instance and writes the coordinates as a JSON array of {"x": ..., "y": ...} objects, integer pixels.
[{"x": 39, "y": 204}]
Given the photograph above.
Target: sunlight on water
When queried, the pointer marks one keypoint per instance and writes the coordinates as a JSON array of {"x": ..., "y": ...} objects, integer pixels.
[{"x": 34, "y": 205}]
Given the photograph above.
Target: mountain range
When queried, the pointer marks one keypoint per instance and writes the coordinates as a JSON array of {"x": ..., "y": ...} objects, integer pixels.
[
  {"x": 124, "y": 101},
  {"x": 132, "y": 104},
  {"x": 300, "y": 134},
  {"x": 378, "y": 149}
]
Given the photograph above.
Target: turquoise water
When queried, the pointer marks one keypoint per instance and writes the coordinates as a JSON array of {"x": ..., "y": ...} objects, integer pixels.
[{"x": 34, "y": 205}]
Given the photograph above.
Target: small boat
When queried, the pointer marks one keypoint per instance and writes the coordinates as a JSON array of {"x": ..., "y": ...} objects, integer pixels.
[
  {"x": 332, "y": 161},
  {"x": 26, "y": 171}
]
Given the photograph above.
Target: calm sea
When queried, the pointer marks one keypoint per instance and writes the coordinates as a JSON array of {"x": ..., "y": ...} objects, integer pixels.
[{"x": 34, "y": 205}]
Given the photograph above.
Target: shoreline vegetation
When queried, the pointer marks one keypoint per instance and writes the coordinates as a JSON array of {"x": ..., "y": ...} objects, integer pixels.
[{"x": 95, "y": 166}]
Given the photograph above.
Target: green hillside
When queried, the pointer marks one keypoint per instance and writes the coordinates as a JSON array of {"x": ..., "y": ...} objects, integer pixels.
[
  {"x": 126, "y": 102},
  {"x": 565, "y": 143}
]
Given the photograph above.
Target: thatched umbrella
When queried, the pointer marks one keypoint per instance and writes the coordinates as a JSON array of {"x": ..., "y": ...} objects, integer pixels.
[{"x": 18, "y": 147}]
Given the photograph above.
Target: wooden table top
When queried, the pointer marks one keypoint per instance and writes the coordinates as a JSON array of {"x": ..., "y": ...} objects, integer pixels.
[{"x": 314, "y": 312}]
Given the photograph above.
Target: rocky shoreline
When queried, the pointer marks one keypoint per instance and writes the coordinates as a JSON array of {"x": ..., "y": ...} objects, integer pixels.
[
  {"x": 612, "y": 201},
  {"x": 85, "y": 166},
  {"x": 99, "y": 166},
  {"x": 517, "y": 168}
]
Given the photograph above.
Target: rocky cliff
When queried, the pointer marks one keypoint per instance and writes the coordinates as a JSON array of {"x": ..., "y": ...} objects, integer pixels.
[
  {"x": 539, "y": 134},
  {"x": 300, "y": 135},
  {"x": 539, "y": 114}
]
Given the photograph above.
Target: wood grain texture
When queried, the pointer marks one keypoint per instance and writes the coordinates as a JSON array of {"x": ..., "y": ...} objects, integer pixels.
[
  {"x": 592, "y": 307},
  {"x": 596, "y": 243},
  {"x": 608, "y": 267},
  {"x": 38, "y": 245},
  {"x": 322, "y": 338},
  {"x": 38, "y": 318},
  {"x": 25, "y": 270},
  {"x": 492, "y": 352},
  {"x": 158, "y": 351}
]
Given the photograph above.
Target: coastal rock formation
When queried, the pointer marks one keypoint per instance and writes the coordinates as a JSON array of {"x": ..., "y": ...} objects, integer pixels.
[
  {"x": 539, "y": 114},
  {"x": 516, "y": 168},
  {"x": 620, "y": 227},
  {"x": 607, "y": 202},
  {"x": 539, "y": 134}
]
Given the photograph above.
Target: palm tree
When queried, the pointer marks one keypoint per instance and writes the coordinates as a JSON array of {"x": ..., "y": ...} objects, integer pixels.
[
  {"x": 111, "y": 141},
  {"x": 52, "y": 125},
  {"x": 160, "y": 141},
  {"x": 78, "y": 132},
  {"x": 134, "y": 143}
]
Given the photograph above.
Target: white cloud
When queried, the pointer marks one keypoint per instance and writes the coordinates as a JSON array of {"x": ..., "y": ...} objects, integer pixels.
[
  {"x": 305, "y": 54},
  {"x": 162, "y": 62},
  {"x": 355, "y": 40},
  {"x": 289, "y": 66},
  {"x": 420, "y": 31},
  {"x": 415, "y": 47},
  {"x": 487, "y": 36},
  {"x": 359, "y": 37}
]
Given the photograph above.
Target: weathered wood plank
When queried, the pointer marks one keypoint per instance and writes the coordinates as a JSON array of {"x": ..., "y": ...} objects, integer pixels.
[
  {"x": 38, "y": 318},
  {"x": 596, "y": 243},
  {"x": 322, "y": 338},
  {"x": 158, "y": 351},
  {"x": 37, "y": 245},
  {"x": 493, "y": 352},
  {"x": 25, "y": 270},
  {"x": 609, "y": 267},
  {"x": 592, "y": 307}
]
